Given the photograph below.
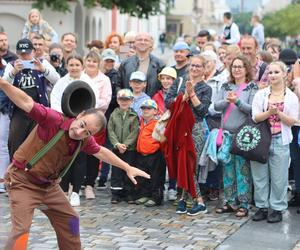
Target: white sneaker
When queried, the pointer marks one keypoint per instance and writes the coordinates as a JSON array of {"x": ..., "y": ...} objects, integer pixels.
[
  {"x": 74, "y": 199},
  {"x": 172, "y": 194},
  {"x": 89, "y": 193}
]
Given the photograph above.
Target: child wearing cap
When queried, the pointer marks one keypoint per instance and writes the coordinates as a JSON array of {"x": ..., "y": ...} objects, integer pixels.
[
  {"x": 123, "y": 127},
  {"x": 167, "y": 77},
  {"x": 138, "y": 84},
  {"x": 150, "y": 159}
]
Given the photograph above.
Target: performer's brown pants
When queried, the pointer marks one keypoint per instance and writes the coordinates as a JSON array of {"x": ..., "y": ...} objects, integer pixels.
[{"x": 25, "y": 196}]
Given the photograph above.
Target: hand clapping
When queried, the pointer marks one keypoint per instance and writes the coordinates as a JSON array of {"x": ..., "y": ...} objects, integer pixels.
[{"x": 232, "y": 97}]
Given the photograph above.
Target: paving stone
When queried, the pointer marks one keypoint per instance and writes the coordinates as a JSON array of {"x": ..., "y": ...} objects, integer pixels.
[{"x": 114, "y": 227}]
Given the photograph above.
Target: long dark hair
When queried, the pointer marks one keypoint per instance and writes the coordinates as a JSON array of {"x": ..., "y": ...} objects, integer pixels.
[{"x": 247, "y": 66}]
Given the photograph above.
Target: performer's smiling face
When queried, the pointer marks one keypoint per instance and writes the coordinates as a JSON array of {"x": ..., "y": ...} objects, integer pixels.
[{"x": 83, "y": 126}]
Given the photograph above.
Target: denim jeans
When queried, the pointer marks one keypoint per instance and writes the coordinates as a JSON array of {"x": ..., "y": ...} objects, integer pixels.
[{"x": 271, "y": 179}]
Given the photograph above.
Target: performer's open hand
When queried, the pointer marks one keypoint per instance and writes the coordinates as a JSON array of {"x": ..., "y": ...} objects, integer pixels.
[{"x": 133, "y": 172}]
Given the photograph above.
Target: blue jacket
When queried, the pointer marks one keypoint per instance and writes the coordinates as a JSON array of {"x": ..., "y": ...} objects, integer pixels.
[{"x": 40, "y": 94}]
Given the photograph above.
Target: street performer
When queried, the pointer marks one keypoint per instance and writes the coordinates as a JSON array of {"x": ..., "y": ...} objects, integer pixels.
[{"x": 35, "y": 185}]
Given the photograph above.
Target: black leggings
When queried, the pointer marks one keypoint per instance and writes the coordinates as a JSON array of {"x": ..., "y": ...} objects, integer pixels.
[
  {"x": 92, "y": 170},
  {"x": 75, "y": 175}
]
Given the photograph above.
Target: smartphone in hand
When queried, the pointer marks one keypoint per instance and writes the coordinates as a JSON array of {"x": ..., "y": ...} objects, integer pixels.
[{"x": 28, "y": 64}]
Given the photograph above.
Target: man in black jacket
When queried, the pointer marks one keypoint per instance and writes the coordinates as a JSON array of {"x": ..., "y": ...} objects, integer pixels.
[{"x": 143, "y": 61}]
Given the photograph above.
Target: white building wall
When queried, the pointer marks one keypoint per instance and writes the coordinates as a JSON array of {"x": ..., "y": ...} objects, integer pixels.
[{"x": 95, "y": 23}]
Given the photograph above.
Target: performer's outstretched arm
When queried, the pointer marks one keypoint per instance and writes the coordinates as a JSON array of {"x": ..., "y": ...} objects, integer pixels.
[
  {"x": 106, "y": 155},
  {"x": 17, "y": 96}
]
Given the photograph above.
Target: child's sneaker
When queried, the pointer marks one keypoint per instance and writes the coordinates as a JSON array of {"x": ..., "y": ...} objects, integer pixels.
[
  {"x": 101, "y": 185},
  {"x": 115, "y": 199},
  {"x": 150, "y": 203},
  {"x": 141, "y": 201},
  {"x": 181, "y": 207},
  {"x": 130, "y": 199},
  {"x": 198, "y": 208}
]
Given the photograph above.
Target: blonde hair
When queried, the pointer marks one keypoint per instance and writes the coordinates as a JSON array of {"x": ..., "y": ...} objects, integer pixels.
[
  {"x": 280, "y": 64},
  {"x": 284, "y": 69},
  {"x": 233, "y": 49},
  {"x": 30, "y": 13}
]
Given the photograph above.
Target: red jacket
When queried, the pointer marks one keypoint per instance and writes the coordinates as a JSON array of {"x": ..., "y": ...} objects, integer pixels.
[
  {"x": 179, "y": 149},
  {"x": 159, "y": 99}
]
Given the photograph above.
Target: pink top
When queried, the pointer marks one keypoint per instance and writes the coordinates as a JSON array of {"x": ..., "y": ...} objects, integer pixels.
[
  {"x": 49, "y": 122},
  {"x": 103, "y": 85},
  {"x": 274, "y": 120}
]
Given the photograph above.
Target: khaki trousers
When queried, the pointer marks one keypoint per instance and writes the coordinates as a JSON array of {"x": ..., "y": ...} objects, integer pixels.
[{"x": 25, "y": 196}]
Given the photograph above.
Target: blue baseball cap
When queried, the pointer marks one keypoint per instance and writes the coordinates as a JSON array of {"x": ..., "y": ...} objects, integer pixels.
[{"x": 181, "y": 46}]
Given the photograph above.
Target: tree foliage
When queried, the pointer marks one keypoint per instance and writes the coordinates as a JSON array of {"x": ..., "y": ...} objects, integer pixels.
[
  {"x": 139, "y": 8},
  {"x": 282, "y": 23}
]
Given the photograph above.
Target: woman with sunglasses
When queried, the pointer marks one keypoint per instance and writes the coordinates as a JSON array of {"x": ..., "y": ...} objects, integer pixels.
[{"x": 279, "y": 106}]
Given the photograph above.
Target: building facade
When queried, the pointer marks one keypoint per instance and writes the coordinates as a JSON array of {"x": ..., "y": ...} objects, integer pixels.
[
  {"x": 190, "y": 16},
  {"x": 88, "y": 24}
]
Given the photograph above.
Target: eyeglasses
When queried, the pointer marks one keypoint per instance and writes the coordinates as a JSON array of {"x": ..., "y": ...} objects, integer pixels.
[
  {"x": 197, "y": 66},
  {"x": 239, "y": 67}
]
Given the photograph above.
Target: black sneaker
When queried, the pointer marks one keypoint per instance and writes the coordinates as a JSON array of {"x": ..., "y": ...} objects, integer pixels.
[
  {"x": 101, "y": 185},
  {"x": 261, "y": 214},
  {"x": 115, "y": 199},
  {"x": 130, "y": 199},
  {"x": 275, "y": 216}
]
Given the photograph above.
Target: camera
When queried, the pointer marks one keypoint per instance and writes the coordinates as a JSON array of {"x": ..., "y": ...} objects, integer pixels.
[{"x": 54, "y": 57}]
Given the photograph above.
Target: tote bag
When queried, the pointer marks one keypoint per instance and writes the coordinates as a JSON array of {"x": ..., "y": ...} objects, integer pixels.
[{"x": 252, "y": 141}]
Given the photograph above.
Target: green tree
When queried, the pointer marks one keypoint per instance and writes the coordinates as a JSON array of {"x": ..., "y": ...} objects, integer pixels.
[
  {"x": 282, "y": 23},
  {"x": 140, "y": 8}
]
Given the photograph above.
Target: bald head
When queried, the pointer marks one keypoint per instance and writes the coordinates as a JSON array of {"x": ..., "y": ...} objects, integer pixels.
[{"x": 143, "y": 42}]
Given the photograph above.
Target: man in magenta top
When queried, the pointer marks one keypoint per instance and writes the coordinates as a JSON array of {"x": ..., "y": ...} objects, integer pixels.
[{"x": 38, "y": 187}]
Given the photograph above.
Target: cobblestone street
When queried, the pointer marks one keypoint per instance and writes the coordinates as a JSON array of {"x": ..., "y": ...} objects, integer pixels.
[{"x": 123, "y": 226}]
